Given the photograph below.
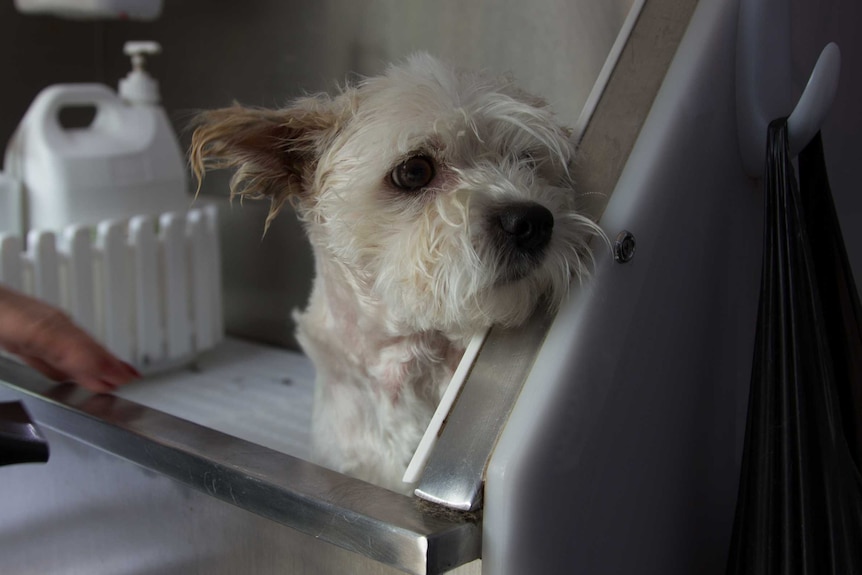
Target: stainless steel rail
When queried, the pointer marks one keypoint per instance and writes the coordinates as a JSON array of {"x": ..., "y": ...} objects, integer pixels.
[
  {"x": 455, "y": 473},
  {"x": 379, "y": 524}
]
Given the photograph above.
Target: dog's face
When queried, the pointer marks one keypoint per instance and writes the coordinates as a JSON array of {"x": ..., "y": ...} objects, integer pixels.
[{"x": 444, "y": 198}]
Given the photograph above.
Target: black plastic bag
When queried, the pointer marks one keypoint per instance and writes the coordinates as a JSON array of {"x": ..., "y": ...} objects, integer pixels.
[
  {"x": 20, "y": 439},
  {"x": 799, "y": 509}
]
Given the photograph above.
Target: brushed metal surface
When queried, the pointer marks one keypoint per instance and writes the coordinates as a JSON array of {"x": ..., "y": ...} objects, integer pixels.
[
  {"x": 87, "y": 512},
  {"x": 627, "y": 99},
  {"x": 381, "y": 525},
  {"x": 455, "y": 471}
]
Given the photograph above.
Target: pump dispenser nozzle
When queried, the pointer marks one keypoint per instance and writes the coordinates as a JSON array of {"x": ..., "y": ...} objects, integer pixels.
[{"x": 138, "y": 87}]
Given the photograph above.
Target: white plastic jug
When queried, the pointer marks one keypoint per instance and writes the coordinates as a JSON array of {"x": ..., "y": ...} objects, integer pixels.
[{"x": 126, "y": 162}]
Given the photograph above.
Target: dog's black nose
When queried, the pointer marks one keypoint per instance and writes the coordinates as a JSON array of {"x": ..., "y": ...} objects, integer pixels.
[{"x": 527, "y": 225}]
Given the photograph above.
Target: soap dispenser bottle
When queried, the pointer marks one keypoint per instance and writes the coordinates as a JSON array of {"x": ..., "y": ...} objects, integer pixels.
[
  {"x": 126, "y": 162},
  {"x": 138, "y": 87}
]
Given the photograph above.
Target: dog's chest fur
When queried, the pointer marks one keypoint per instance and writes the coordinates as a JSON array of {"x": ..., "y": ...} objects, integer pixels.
[{"x": 375, "y": 389}]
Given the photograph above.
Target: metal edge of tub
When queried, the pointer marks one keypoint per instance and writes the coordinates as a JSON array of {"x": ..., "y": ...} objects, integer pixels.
[{"x": 382, "y": 525}]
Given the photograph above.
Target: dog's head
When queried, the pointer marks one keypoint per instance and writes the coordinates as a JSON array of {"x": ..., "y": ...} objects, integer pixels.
[{"x": 443, "y": 196}]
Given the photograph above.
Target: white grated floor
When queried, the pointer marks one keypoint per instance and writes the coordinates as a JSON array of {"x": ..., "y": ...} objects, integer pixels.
[{"x": 258, "y": 393}]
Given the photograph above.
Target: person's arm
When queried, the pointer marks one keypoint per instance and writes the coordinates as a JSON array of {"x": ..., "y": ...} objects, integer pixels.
[{"x": 50, "y": 342}]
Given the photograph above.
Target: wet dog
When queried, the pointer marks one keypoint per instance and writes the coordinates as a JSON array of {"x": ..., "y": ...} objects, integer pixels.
[{"x": 437, "y": 202}]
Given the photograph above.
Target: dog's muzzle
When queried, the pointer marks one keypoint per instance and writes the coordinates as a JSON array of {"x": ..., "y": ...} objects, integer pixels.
[{"x": 523, "y": 231}]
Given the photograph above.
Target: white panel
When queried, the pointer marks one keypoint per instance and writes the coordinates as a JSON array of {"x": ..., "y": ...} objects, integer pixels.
[
  {"x": 215, "y": 280},
  {"x": 10, "y": 261},
  {"x": 201, "y": 288},
  {"x": 147, "y": 279},
  {"x": 77, "y": 248},
  {"x": 176, "y": 285},
  {"x": 42, "y": 252},
  {"x": 117, "y": 316}
]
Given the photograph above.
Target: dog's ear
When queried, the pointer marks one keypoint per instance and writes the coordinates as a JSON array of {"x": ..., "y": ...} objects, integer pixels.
[{"x": 274, "y": 151}]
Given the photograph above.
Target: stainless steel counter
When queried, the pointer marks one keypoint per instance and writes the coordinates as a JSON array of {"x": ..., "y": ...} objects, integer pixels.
[{"x": 223, "y": 488}]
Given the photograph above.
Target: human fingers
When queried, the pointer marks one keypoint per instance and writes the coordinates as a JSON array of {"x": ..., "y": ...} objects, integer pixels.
[
  {"x": 58, "y": 341},
  {"x": 88, "y": 382},
  {"x": 35, "y": 330}
]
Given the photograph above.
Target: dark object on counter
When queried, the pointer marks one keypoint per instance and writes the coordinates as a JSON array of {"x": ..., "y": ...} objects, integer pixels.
[
  {"x": 799, "y": 509},
  {"x": 20, "y": 439}
]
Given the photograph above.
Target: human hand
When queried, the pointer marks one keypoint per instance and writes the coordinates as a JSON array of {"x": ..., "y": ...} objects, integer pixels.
[{"x": 49, "y": 341}]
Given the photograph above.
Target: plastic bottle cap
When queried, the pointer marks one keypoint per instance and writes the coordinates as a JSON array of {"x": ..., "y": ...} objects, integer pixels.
[{"x": 138, "y": 87}]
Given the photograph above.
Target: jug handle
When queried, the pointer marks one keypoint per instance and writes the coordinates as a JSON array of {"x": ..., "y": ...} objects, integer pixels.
[{"x": 52, "y": 99}]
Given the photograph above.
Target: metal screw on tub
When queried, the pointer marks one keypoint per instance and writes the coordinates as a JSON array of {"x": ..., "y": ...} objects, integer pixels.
[{"x": 624, "y": 247}]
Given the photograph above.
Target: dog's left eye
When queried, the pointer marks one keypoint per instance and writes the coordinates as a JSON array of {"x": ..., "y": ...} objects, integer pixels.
[{"x": 414, "y": 173}]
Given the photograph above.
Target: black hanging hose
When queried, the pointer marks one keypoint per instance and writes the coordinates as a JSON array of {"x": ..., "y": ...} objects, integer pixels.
[{"x": 799, "y": 509}]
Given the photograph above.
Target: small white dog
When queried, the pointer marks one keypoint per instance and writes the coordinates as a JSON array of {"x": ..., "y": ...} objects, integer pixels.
[{"x": 437, "y": 203}]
